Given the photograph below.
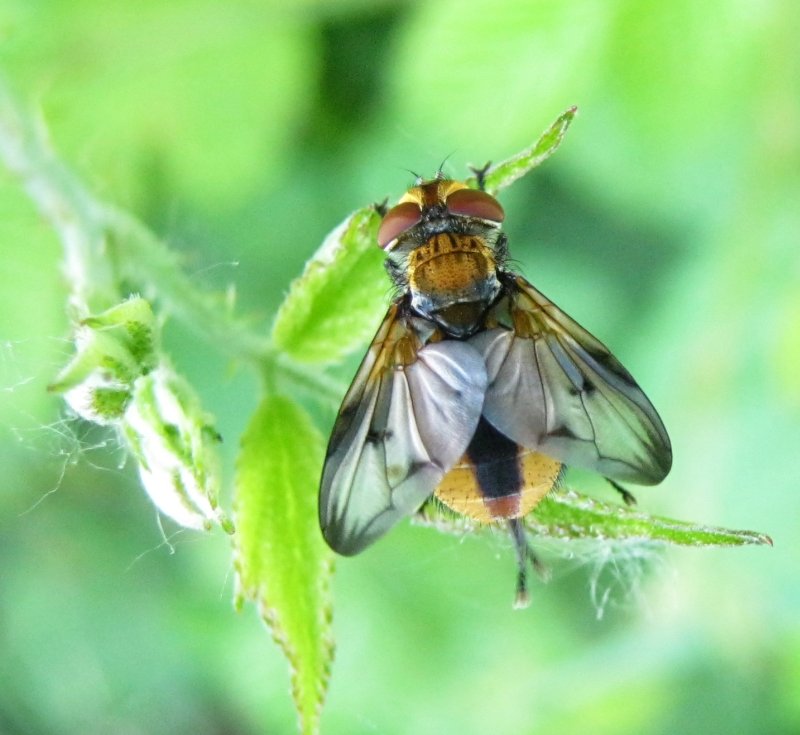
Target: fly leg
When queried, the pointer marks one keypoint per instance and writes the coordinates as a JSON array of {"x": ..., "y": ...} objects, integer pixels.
[
  {"x": 480, "y": 175},
  {"x": 381, "y": 207},
  {"x": 524, "y": 555},
  {"x": 627, "y": 495}
]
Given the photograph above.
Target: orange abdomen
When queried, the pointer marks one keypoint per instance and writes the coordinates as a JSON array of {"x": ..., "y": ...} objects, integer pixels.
[{"x": 496, "y": 478}]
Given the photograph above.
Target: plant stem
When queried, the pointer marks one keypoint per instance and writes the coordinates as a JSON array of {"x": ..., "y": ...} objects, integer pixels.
[
  {"x": 145, "y": 260},
  {"x": 311, "y": 379},
  {"x": 63, "y": 201}
]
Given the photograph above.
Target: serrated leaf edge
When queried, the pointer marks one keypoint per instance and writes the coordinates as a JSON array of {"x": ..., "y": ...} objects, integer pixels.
[{"x": 258, "y": 593}]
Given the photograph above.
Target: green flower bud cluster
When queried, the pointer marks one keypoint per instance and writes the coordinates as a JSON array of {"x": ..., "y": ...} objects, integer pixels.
[
  {"x": 119, "y": 378},
  {"x": 113, "y": 350}
]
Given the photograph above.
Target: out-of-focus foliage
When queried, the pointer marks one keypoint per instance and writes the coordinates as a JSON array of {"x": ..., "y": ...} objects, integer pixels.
[{"x": 667, "y": 224}]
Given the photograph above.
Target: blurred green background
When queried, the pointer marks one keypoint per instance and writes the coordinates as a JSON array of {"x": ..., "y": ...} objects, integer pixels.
[{"x": 668, "y": 223}]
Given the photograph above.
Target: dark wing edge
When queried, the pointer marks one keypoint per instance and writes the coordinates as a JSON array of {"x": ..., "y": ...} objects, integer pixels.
[
  {"x": 556, "y": 388},
  {"x": 399, "y": 430}
]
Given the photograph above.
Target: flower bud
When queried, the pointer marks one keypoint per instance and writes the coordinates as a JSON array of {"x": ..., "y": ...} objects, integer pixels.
[
  {"x": 174, "y": 443},
  {"x": 118, "y": 377},
  {"x": 113, "y": 349}
]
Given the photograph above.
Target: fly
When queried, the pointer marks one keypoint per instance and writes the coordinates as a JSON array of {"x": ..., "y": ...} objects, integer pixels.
[{"x": 476, "y": 389}]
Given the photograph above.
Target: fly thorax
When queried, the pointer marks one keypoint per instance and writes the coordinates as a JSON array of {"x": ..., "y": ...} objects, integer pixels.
[{"x": 452, "y": 279}]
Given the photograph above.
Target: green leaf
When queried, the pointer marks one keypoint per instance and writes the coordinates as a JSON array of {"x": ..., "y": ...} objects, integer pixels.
[
  {"x": 506, "y": 173},
  {"x": 567, "y": 514},
  {"x": 334, "y": 306},
  {"x": 282, "y": 562}
]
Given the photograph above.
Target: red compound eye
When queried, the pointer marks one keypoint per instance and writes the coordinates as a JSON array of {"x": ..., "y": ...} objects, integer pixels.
[
  {"x": 474, "y": 203},
  {"x": 397, "y": 220}
]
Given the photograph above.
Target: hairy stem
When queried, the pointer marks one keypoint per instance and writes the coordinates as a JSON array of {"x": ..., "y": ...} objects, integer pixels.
[
  {"x": 145, "y": 260},
  {"x": 62, "y": 200}
]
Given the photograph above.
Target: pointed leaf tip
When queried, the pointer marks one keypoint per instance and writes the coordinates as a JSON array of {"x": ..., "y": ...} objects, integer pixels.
[
  {"x": 506, "y": 173},
  {"x": 570, "y": 515}
]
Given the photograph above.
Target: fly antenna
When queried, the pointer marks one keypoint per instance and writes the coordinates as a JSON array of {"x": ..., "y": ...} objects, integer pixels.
[
  {"x": 439, "y": 171},
  {"x": 417, "y": 178}
]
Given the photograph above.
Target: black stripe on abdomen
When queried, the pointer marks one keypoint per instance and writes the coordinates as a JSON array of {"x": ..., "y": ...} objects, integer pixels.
[{"x": 494, "y": 457}]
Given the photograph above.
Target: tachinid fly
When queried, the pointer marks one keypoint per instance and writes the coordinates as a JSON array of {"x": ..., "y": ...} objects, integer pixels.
[{"x": 476, "y": 389}]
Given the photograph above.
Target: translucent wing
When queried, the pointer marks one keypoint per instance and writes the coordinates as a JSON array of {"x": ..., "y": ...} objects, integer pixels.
[
  {"x": 555, "y": 388},
  {"x": 406, "y": 420}
]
